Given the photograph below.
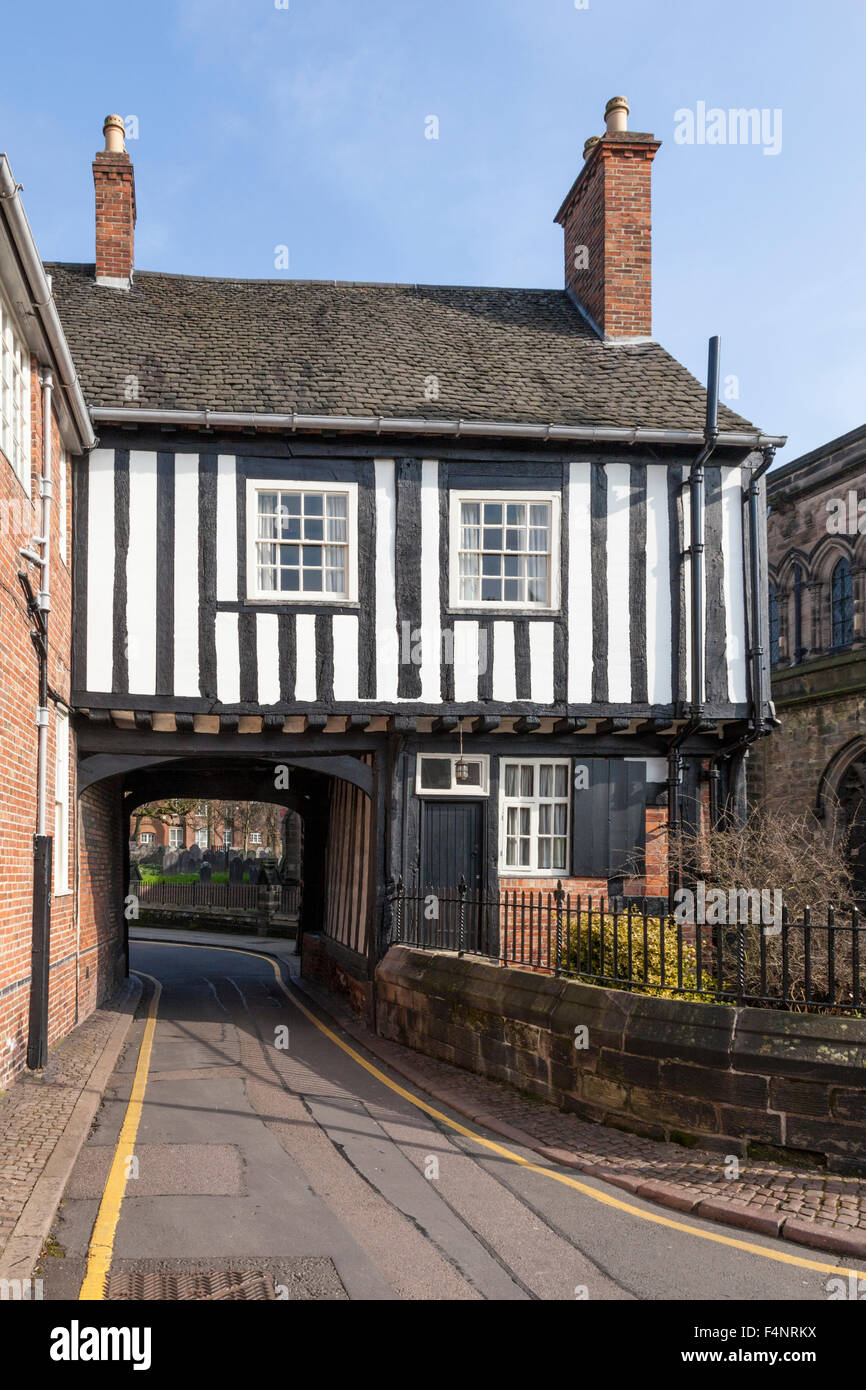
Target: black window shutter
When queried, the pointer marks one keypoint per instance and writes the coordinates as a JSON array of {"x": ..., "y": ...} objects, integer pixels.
[
  {"x": 627, "y": 818},
  {"x": 608, "y": 818},
  {"x": 590, "y": 819}
]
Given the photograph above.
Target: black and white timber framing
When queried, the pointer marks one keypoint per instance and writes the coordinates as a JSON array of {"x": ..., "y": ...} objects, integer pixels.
[
  {"x": 164, "y": 620},
  {"x": 176, "y": 666}
]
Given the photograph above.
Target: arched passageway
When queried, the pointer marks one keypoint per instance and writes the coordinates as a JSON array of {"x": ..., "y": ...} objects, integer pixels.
[{"x": 330, "y": 794}]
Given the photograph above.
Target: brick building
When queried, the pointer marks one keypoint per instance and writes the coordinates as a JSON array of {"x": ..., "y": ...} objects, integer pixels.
[
  {"x": 60, "y": 938},
  {"x": 816, "y": 536},
  {"x": 243, "y": 825}
]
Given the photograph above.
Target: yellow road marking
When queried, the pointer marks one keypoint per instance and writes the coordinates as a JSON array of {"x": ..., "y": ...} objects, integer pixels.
[
  {"x": 101, "y": 1246},
  {"x": 781, "y": 1257}
]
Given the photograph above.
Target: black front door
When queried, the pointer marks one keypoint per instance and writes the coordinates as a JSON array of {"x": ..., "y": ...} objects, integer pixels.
[
  {"x": 452, "y": 848},
  {"x": 451, "y": 845}
]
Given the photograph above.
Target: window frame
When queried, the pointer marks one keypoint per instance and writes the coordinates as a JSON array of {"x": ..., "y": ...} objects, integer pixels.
[
  {"x": 842, "y": 608},
  {"x": 461, "y": 789},
  {"x": 176, "y": 830},
  {"x": 61, "y": 858},
  {"x": 530, "y": 497},
  {"x": 255, "y": 837},
  {"x": 201, "y": 837},
  {"x": 532, "y": 870},
  {"x": 19, "y": 457},
  {"x": 292, "y": 597},
  {"x": 147, "y": 837}
]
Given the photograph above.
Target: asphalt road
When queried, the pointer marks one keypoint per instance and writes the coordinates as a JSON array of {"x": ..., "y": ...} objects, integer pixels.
[{"x": 258, "y": 1148}]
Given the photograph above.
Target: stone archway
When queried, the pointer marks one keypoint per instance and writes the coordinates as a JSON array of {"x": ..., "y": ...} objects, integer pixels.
[
  {"x": 851, "y": 817},
  {"x": 841, "y": 803}
]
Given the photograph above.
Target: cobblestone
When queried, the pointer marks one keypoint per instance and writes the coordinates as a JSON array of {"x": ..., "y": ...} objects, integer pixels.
[{"x": 35, "y": 1110}]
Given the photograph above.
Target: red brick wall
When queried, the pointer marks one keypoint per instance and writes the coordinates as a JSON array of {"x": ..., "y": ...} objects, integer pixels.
[
  {"x": 19, "y": 693},
  {"x": 102, "y": 831}
]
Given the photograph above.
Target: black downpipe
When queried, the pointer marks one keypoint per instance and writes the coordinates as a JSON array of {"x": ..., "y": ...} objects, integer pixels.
[
  {"x": 40, "y": 955},
  {"x": 761, "y": 723},
  {"x": 40, "y": 951},
  {"x": 696, "y": 552}
]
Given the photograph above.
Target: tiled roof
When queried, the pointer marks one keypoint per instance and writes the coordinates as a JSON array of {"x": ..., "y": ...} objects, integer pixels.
[{"x": 326, "y": 348}]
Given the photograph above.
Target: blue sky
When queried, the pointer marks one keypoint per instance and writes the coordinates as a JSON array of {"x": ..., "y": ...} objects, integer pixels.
[{"x": 304, "y": 126}]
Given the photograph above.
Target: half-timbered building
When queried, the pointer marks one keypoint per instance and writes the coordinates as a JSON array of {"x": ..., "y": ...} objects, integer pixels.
[{"x": 423, "y": 552}]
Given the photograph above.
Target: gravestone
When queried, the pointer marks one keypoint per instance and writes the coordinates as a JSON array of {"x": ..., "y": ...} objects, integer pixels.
[
  {"x": 187, "y": 864},
  {"x": 236, "y": 869},
  {"x": 170, "y": 862},
  {"x": 253, "y": 870},
  {"x": 205, "y": 872},
  {"x": 195, "y": 855}
]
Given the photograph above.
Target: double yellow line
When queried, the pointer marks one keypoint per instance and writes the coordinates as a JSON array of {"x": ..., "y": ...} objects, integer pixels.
[
  {"x": 102, "y": 1241},
  {"x": 101, "y": 1246}
]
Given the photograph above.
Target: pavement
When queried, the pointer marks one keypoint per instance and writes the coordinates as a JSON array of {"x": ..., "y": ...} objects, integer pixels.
[
  {"x": 335, "y": 1164},
  {"x": 45, "y": 1118}
]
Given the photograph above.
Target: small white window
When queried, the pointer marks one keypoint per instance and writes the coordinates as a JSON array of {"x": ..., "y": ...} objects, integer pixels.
[
  {"x": 449, "y": 774},
  {"x": 61, "y": 804},
  {"x": 255, "y": 837},
  {"x": 227, "y": 839},
  {"x": 505, "y": 550},
  {"x": 535, "y": 816},
  {"x": 146, "y": 837},
  {"x": 62, "y": 501},
  {"x": 201, "y": 838},
  {"x": 14, "y": 395},
  {"x": 303, "y": 542},
  {"x": 175, "y": 837}
]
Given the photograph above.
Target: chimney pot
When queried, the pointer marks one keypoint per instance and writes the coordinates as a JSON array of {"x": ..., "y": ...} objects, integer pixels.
[
  {"x": 590, "y": 145},
  {"x": 616, "y": 115},
  {"x": 114, "y": 131}
]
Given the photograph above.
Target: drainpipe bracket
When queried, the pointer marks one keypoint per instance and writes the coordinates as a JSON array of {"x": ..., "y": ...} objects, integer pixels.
[{"x": 42, "y": 716}]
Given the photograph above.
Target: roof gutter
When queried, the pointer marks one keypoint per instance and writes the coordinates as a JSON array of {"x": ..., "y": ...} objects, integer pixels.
[
  {"x": 380, "y": 424},
  {"x": 42, "y": 301}
]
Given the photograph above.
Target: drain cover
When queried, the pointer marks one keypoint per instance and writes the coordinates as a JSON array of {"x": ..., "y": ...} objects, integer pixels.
[{"x": 203, "y": 1285}]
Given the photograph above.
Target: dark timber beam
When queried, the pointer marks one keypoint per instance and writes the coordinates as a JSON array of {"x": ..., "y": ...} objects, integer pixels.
[
  {"x": 100, "y": 717},
  {"x": 403, "y": 723},
  {"x": 143, "y": 719},
  {"x": 654, "y": 726},
  {"x": 272, "y": 724},
  {"x": 616, "y": 725},
  {"x": 229, "y": 723},
  {"x": 527, "y": 724},
  {"x": 485, "y": 724},
  {"x": 445, "y": 724},
  {"x": 358, "y": 721},
  {"x": 315, "y": 723},
  {"x": 569, "y": 726},
  {"x": 184, "y": 723}
]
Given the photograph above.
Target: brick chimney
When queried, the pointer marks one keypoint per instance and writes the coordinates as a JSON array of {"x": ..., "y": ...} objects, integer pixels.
[
  {"x": 608, "y": 229},
  {"x": 114, "y": 183}
]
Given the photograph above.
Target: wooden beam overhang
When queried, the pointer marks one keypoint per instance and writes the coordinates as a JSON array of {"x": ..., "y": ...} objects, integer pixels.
[
  {"x": 445, "y": 724},
  {"x": 569, "y": 726},
  {"x": 527, "y": 724},
  {"x": 617, "y": 725}
]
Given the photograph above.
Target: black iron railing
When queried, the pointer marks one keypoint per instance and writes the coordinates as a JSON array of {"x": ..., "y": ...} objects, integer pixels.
[{"x": 805, "y": 964}]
